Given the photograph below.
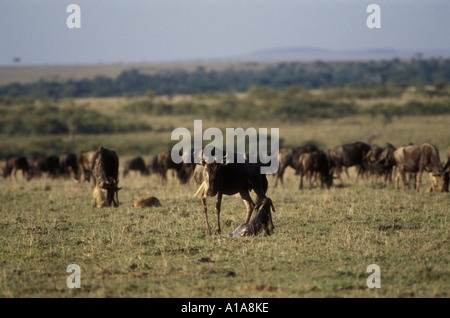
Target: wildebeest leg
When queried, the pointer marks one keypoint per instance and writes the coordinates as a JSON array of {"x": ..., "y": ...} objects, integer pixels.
[
  {"x": 208, "y": 228},
  {"x": 116, "y": 201},
  {"x": 218, "y": 203},
  {"x": 248, "y": 203},
  {"x": 412, "y": 176},
  {"x": 164, "y": 177},
  {"x": 301, "y": 181},
  {"x": 403, "y": 178},
  {"x": 346, "y": 172},
  {"x": 419, "y": 180},
  {"x": 397, "y": 179},
  {"x": 338, "y": 171},
  {"x": 279, "y": 175},
  {"x": 310, "y": 177},
  {"x": 360, "y": 173}
]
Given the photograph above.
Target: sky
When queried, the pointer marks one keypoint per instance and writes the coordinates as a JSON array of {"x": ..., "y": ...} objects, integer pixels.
[{"x": 136, "y": 31}]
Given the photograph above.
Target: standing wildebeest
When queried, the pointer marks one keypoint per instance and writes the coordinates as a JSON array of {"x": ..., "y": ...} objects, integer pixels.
[
  {"x": 16, "y": 163},
  {"x": 315, "y": 162},
  {"x": 105, "y": 171},
  {"x": 49, "y": 164},
  {"x": 183, "y": 170},
  {"x": 370, "y": 159},
  {"x": 416, "y": 159},
  {"x": 136, "y": 164},
  {"x": 230, "y": 178},
  {"x": 385, "y": 162},
  {"x": 349, "y": 155},
  {"x": 84, "y": 165},
  {"x": 153, "y": 166},
  {"x": 288, "y": 157},
  {"x": 68, "y": 164}
]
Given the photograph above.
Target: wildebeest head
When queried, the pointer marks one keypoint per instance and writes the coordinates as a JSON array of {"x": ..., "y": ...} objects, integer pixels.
[
  {"x": 440, "y": 181},
  {"x": 212, "y": 173},
  {"x": 212, "y": 162},
  {"x": 328, "y": 178},
  {"x": 112, "y": 190}
]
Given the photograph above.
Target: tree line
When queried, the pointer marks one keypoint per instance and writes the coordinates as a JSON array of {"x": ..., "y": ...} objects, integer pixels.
[{"x": 308, "y": 75}]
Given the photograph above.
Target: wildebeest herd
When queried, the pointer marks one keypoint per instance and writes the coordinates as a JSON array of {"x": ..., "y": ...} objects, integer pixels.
[{"x": 215, "y": 179}]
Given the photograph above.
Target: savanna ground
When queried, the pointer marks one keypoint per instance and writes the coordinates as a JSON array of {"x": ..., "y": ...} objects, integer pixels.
[{"x": 324, "y": 240}]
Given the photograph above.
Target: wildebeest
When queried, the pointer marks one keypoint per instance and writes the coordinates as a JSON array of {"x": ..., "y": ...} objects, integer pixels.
[
  {"x": 105, "y": 172},
  {"x": 261, "y": 221},
  {"x": 416, "y": 159},
  {"x": 349, "y": 155},
  {"x": 147, "y": 202},
  {"x": 288, "y": 157},
  {"x": 183, "y": 170},
  {"x": 153, "y": 166},
  {"x": 14, "y": 164},
  {"x": 136, "y": 164},
  {"x": 315, "y": 162},
  {"x": 217, "y": 179},
  {"x": 68, "y": 164},
  {"x": 84, "y": 165},
  {"x": 49, "y": 165},
  {"x": 384, "y": 162},
  {"x": 371, "y": 158}
]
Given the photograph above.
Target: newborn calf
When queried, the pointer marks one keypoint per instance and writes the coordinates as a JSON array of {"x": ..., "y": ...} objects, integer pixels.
[
  {"x": 147, "y": 202},
  {"x": 261, "y": 221}
]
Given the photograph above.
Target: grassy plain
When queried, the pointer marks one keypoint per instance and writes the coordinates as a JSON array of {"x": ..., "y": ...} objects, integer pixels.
[
  {"x": 322, "y": 245},
  {"x": 323, "y": 241}
]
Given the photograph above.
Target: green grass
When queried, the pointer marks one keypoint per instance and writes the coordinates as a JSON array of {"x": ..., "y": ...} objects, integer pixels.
[{"x": 322, "y": 245}]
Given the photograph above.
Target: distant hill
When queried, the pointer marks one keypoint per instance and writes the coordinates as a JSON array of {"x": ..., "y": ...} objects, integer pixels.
[{"x": 313, "y": 54}]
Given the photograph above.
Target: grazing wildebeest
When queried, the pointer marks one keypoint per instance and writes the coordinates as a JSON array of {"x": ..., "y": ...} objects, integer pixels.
[
  {"x": 316, "y": 162},
  {"x": 68, "y": 164},
  {"x": 105, "y": 172},
  {"x": 288, "y": 157},
  {"x": 229, "y": 178},
  {"x": 349, "y": 155},
  {"x": 261, "y": 221},
  {"x": 84, "y": 165},
  {"x": 49, "y": 164},
  {"x": 183, "y": 170},
  {"x": 136, "y": 164},
  {"x": 416, "y": 159},
  {"x": 16, "y": 163}
]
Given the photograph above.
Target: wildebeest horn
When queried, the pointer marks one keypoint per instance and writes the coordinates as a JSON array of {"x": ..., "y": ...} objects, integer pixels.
[{"x": 201, "y": 188}]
